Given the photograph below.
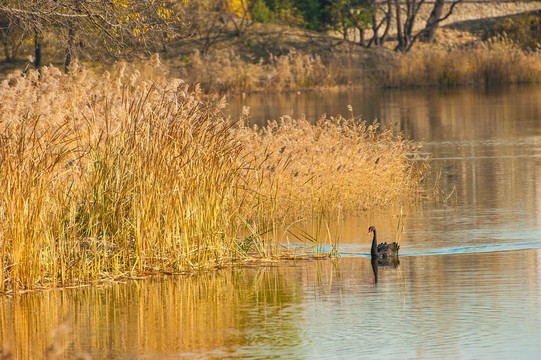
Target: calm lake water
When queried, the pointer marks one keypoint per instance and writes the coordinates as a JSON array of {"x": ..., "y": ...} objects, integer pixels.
[{"x": 468, "y": 285}]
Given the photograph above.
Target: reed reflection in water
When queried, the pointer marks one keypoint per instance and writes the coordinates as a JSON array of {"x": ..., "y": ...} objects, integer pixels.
[
  {"x": 444, "y": 306},
  {"x": 157, "y": 317}
]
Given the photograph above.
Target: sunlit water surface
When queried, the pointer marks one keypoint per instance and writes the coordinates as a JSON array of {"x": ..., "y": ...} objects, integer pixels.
[{"x": 468, "y": 285}]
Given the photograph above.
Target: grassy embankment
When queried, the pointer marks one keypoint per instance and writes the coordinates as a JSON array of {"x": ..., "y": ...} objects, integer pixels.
[
  {"x": 494, "y": 61},
  {"x": 481, "y": 44},
  {"x": 105, "y": 175}
]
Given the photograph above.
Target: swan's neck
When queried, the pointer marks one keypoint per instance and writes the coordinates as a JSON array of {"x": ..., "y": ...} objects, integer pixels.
[{"x": 374, "y": 250}]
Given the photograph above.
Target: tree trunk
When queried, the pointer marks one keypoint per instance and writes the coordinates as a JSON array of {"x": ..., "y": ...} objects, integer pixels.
[
  {"x": 433, "y": 21},
  {"x": 375, "y": 29},
  {"x": 378, "y": 40},
  {"x": 10, "y": 45},
  {"x": 37, "y": 50},
  {"x": 389, "y": 18},
  {"x": 71, "y": 51},
  {"x": 399, "y": 33},
  {"x": 9, "y": 59},
  {"x": 412, "y": 11}
]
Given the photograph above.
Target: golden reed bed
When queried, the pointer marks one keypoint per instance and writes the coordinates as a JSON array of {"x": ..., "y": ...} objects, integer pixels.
[{"x": 129, "y": 171}]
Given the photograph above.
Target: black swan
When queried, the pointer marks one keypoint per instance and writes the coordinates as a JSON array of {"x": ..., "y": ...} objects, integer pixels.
[{"x": 382, "y": 251}]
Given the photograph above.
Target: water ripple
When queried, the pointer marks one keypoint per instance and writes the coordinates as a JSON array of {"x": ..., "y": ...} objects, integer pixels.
[
  {"x": 478, "y": 248},
  {"x": 348, "y": 250}
]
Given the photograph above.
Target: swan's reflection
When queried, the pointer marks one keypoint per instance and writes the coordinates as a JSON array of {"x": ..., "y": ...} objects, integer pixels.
[
  {"x": 376, "y": 262},
  {"x": 375, "y": 269}
]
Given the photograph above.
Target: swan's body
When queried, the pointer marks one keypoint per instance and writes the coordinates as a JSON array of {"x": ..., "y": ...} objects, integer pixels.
[{"x": 382, "y": 251}]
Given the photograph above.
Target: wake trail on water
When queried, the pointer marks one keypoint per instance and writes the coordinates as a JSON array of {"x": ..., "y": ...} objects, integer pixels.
[{"x": 348, "y": 249}]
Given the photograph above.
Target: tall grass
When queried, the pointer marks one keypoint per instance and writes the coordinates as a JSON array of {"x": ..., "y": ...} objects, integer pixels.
[
  {"x": 496, "y": 61},
  {"x": 338, "y": 166},
  {"x": 228, "y": 72},
  {"x": 101, "y": 176}
]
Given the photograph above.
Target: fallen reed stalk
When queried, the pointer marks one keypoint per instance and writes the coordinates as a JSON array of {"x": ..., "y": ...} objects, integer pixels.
[{"x": 103, "y": 176}]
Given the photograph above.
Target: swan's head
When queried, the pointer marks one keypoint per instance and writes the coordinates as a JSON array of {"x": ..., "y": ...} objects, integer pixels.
[{"x": 370, "y": 229}]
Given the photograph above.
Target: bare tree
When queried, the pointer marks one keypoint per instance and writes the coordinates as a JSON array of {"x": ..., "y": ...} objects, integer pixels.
[
  {"x": 405, "y": 30},
  {"x": 208, "y": 25},
  {"x": 377, "y": 16},
  {"x": 386, "y": 9},
  {"x": 12, "y": 35},
  {"x": 117, "y": 28},
  {"x": 365, "y": 17},
  {"x": 210, "y": 21},
  {"x": 435, "y": 18},
  {"x": 31, "y": 22}
]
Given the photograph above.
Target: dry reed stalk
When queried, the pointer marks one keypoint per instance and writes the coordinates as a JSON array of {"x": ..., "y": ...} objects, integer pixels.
[
  {"x": 227, "y": 72},
  {"x": 110, "y": 175},
  {"x": 338, "y": 166},
  {"x": 496, "y": 61},
  {"x": 130, "y": 171}
]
